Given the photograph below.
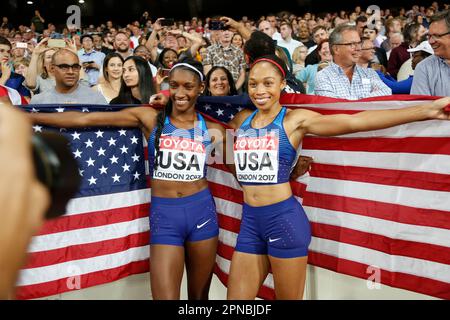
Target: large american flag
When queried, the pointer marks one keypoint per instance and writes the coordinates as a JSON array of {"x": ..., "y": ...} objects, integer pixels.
[{"x": 378, "y": 199}]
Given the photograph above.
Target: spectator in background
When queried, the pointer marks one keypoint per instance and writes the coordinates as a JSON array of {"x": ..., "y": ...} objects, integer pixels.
[
  {"x": 266, "y": 27},
  {"x": 137, "y": 83},
  {"x": 108, "y": 43},
  {"x": 9, "y": 78},
  {"x": 419, "y": 53},
  {"x": 39, "y": 77},
  {"x": 411, "y": 38},
  {"x": 395, "y": 40},
  {"x": 90, "y": 59},
  {"x": 143, "y": 52},
  {"x": 380, "y": 56},
  {"x": 228, "y": 56},
  {"x": 298, "y": 59},
  {"x": 319, "y": 34},
  {"x": 219, "y": 82},
  {"x": 308, "y": 75},
  {"x": 21, "y": 66},
  {"x": 367, "y": 53},
  {"x": 122, "y": 45},
  {"x": 392, "y": 26},
  {"x": 109, "y": 86},
  {"x": 304, "y": 37},
  {"x": 286, "y": 40},
  {"x": 38, "y": 22},
  {"x": 344, "y": 78},
  {"x": 432, "y": 75},
  {"x": 237, "y": 41},
  {"x": 66, "y": 68}
]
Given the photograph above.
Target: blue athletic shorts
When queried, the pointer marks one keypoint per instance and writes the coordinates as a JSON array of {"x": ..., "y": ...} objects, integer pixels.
[
  {"x": 281, "y": 230},
  {"x": 173, "y": 221}
]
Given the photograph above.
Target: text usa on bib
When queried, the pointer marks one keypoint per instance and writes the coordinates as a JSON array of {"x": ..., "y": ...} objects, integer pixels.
[
  {"x": 256, "y": 158},
  {"x": 180, "y": 159}
]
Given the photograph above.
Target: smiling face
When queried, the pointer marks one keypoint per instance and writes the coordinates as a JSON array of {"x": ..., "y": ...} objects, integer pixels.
[
  {"x": 185, "y": 87},
  {"x": 265, "y": 85},
  {"x": 441, "y": 46},
  {"x": 114, "y": 68},
  {"x": 218, "y": 83}
]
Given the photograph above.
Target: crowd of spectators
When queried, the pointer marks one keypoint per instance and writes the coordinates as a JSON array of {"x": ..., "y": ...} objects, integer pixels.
[{"x": 342, "y": 54}]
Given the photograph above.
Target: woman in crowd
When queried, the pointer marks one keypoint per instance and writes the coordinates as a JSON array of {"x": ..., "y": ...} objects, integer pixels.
[
  {"x": 237, "y": 40},
  {"x": 39, "y": 77},
  {"x": 166, "y": 60},
  {"x": 110, "y": 85},
  {"x": 219, "y": 82},
  {"x": 183, "y": 219},
  {"x": 308, "y": 75},
  {"x": 21, "y": 66},
  {"x": 275, "y": 232},
  {"x": 137, "y": 83},
  {"x": 298, "y": 59}
]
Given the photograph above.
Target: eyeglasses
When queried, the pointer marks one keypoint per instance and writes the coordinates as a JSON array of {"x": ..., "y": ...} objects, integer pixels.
[
  {"x": 65, "y": 67},
  {"x": 437, "y": 36},
  {"x": 367, "y": 49},
  {"x": 353, "y": 45}
]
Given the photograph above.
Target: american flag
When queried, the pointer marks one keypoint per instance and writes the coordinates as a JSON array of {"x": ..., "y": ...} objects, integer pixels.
[
  {"x": 104, "y": 235},
  {"x": 377, "y": 199}
]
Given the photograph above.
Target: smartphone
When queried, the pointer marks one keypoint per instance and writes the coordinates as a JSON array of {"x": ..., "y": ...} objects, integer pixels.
[
  {"x": 21, "y": 45},
  {"x": 55, "y": 35},
  {"x": 165, "y": 72},
  {"x": 167, "y": 22},
  {"x": 56, "y": 43},
  {"x": 217, "y": 25}
]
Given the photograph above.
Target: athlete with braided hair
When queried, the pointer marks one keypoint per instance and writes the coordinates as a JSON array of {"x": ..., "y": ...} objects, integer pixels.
[{"x": 183, "y": 219}]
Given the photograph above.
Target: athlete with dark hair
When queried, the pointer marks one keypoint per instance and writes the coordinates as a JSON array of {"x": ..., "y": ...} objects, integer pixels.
[{"x": 183, "y": 219}]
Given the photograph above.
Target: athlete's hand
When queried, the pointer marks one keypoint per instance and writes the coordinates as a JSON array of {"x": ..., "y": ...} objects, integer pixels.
[{"x": 302, "y": 166}]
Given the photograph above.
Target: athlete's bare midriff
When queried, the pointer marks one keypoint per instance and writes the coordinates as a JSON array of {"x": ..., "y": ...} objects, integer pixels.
[
  {"x": 177, "y": 189},
  {"x": 258, "y": 196}
]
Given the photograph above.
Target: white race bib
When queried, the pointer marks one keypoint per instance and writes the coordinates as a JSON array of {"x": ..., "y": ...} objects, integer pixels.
[
  {"x": 180, "y": 159},
  {"x": 256, "y": 159}
]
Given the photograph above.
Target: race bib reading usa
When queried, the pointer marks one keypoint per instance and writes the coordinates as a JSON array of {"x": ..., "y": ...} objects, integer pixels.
[
  {"x": 180, "y": 159},
  {"x": 256, "y": 159}
]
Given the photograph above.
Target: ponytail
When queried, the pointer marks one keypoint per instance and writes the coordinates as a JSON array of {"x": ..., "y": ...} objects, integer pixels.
[{"x": 161, "y": 118}]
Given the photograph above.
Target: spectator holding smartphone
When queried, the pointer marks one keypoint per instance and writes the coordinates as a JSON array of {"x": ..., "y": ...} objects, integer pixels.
[{"x": 90, "y": 59}]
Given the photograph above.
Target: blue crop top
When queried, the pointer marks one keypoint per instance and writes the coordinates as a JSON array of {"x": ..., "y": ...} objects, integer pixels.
[
  {"x": 183, "y": 153},
  {"x": 265, "y": 155}
]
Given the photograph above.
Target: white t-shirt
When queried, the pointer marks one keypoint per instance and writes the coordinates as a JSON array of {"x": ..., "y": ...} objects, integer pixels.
[{"x": 290, "y": 46}]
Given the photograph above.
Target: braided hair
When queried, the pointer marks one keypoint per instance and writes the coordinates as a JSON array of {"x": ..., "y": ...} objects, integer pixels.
[{"x": 167, "y": 110}]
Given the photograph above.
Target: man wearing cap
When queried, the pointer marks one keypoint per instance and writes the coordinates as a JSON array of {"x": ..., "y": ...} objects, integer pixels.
[
  {"x": 432, "y": 75},
  {"x": 419, "y": 53},
  {"x": 90, "y": 59}
]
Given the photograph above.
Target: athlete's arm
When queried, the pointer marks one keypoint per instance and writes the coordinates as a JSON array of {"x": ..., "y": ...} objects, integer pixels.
[{"x": 142, "y": 117}]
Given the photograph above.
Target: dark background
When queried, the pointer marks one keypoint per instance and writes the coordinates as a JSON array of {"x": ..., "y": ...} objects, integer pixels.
[{"x": 125, "y": 11}]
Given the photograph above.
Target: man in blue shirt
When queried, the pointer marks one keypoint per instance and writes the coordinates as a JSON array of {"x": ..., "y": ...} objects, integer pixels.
[
  {"x": 7, "y": 76},
  {"x": 91, "y": 60},
  {"x": 432, "y": 75}
]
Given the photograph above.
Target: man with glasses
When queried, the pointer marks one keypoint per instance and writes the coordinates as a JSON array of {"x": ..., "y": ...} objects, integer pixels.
[
  {"x": 344, "y": 78},
  {"x": 66, "y": 69},
  {"x": 431, "y": 76}
]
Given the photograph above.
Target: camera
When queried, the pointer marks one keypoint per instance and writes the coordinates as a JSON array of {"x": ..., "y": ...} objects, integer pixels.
[
  {"x": 167, "y": 22},
  {"x": 56, "y": 169},
  {"x": 217, "y": 25}
]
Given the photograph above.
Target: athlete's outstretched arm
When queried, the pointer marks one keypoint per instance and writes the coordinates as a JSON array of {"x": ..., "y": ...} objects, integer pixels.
[
  {"x": 330, "y": 125},
  {"x": 143, "y": 117}
]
